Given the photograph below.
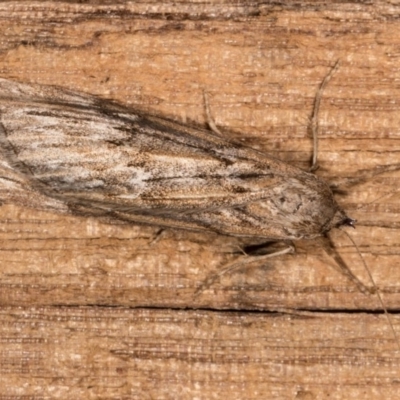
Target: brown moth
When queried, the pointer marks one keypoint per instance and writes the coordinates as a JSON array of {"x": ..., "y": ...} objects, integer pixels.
[
  {"x": 102, "y": 159},
  {"x": 74, "y": 153},
  {"x": 69, "y": 152}
]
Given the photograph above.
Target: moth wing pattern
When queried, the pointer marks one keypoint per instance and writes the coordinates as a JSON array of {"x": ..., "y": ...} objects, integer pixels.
[{"x": 100, "y": 158}]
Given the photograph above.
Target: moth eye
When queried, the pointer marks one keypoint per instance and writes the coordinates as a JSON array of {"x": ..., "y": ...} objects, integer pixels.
[{"x": 349, "y": 222}]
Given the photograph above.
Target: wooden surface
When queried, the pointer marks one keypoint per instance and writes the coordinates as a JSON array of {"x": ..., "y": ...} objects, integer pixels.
[{"x": 108, "y": 311}]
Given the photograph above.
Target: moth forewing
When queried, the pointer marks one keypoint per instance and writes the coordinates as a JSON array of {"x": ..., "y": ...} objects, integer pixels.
[{"x": 93, "y": 157}]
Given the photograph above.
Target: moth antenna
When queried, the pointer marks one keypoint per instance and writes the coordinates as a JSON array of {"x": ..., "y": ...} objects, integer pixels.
[
  {"x": 377, "y": 199},
  {"x": 389, "y": 319},
  {"x": 328, "y": 246},
  {"x": 314, "y": 126}
]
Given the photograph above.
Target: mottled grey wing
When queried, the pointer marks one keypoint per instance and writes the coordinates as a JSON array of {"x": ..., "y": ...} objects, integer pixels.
[{"x": 102, "y": 159}]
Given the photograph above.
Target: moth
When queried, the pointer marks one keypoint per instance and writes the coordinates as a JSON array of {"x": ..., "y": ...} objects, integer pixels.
[{"x": 75, "y": 153}]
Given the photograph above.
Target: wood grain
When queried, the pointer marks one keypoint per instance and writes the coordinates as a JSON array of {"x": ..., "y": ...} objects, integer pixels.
[
  {"x": 72, "y": 290},
  {"x": 90, "y": 352}
]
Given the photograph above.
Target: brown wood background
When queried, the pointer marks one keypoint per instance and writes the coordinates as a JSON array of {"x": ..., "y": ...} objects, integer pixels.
[{"x": 94, "y": 311}]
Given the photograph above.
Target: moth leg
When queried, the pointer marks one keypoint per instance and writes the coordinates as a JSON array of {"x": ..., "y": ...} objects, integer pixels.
[
  {"x": 364, "y": 176},
  {"x": 313, "y": 126},
  {"x": 158, "y": 236},
  {"x": 245, "y": 262},
  {"x": 210, "y": 120}
]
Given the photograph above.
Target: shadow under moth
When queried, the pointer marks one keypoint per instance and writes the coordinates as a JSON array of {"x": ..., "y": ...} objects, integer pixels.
[{"x": 74, "y": 153}]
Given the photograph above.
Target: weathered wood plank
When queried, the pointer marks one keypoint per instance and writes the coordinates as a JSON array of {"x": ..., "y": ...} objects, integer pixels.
[
  {"x": 104, "y": 353},
  {"x": 262, "y": 65}
]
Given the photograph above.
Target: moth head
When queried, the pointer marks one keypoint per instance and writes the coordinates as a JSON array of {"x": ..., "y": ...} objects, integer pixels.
[
  {"x": 341, "y": 219},
  {"x": 348, "y": 222}
]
